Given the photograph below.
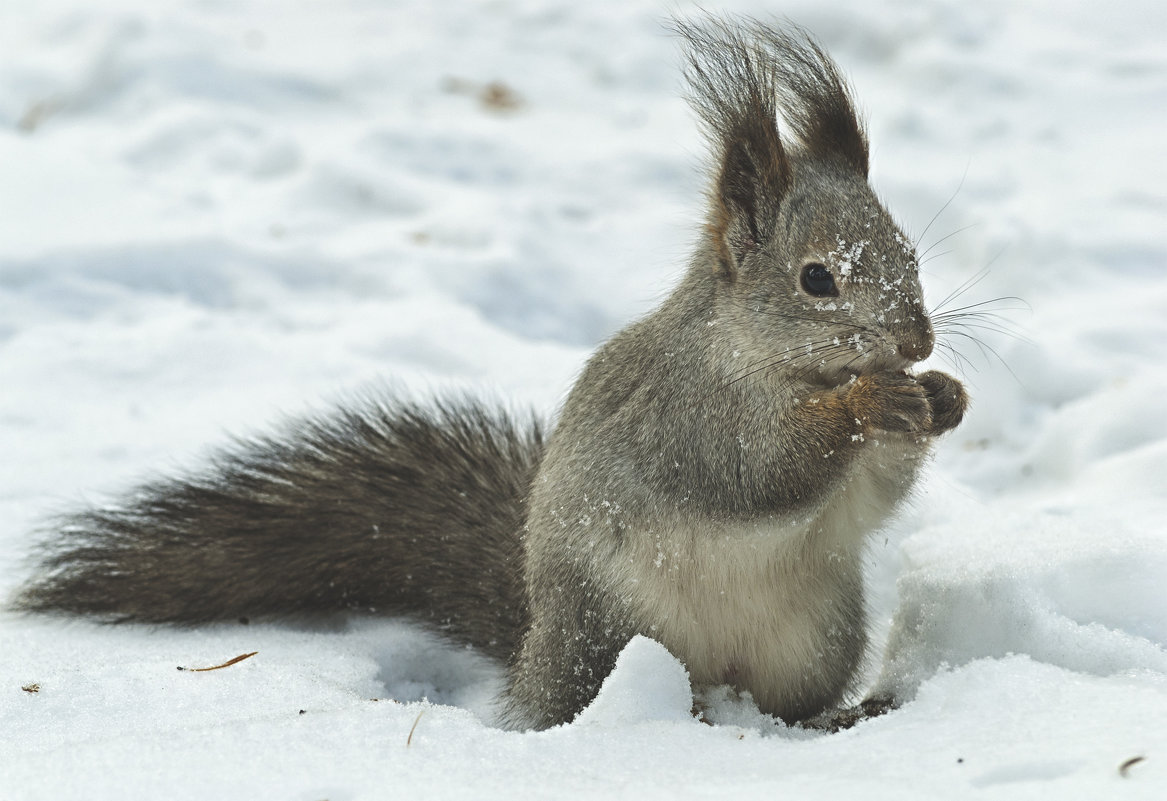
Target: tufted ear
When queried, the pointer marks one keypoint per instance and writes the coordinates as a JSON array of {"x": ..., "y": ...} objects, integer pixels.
[
  {"x": 753, "y": 177},
  {"x": 733, "y": 87},
  {"x": 815, "y": 99},
  {"x": 740, "y": 76}
]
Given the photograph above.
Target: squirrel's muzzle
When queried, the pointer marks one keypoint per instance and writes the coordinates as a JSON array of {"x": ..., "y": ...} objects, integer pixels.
[{"x": 916, "y": 345}]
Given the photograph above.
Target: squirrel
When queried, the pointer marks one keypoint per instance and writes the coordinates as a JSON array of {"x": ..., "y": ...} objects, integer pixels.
[{"x": 710, "y": 483}]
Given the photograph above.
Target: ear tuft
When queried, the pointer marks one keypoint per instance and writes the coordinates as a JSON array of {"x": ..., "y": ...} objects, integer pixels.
[
  {"x": 733, "y": 90},
  {"x": 740, "y": 74},
  {"x": 817, "y": 103}
]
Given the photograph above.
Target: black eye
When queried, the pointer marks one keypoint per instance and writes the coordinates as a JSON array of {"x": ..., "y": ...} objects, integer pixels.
[{"x": 818, "y": 281}]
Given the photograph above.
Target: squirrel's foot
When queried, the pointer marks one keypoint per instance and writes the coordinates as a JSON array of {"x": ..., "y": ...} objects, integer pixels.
[
  {"x": 947, "y": 398},
  {"x": 890, "y": 401},
  {"x": 835, "y": 720}
]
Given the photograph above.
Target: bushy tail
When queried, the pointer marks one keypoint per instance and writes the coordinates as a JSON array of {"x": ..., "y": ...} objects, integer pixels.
[{"x": 399, "y": 509}]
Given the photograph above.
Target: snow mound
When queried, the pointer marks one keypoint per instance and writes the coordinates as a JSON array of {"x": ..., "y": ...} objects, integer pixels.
[
  {"x": 1083, "y": 592},
  {"x": 647, "y": 684}
]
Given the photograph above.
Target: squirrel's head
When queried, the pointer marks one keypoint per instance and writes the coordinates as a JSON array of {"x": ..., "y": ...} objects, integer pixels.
[{"x": 810, "y": 267}]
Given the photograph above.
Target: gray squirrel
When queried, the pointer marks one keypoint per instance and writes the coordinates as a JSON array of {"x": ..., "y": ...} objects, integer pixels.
[{"x": 710, "y": 483}]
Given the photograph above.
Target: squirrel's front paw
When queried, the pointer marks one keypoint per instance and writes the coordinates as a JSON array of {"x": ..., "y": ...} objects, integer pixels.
[
  {"x": 890, "y": 402},
  {"x": 947, "y": 398}
]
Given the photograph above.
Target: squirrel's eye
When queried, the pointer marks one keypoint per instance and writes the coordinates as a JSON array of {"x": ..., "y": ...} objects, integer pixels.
[{"x": 818, "y": 281}]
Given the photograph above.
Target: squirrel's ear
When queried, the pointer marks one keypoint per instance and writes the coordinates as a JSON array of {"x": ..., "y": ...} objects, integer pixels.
[{"x": 753, "y": 177}]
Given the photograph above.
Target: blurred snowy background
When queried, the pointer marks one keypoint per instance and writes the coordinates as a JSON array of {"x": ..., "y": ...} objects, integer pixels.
[{"x": 214, "y": 214}]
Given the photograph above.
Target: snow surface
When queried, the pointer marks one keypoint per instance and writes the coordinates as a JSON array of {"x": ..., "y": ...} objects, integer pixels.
[{"x": 214, "y": 214}]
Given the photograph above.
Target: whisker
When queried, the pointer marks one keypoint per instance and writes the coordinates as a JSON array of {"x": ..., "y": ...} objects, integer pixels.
[
  {"x": 948, "y": 202},
  {"x": 820, "y": 351},
  {"x": 824, "y": 320},
  {"x": 985, "y": 350},
  {"x": 996, "y": 328},
  {"x": 960, "y": 290},
  {"x": 845, "y": 366},
  {"x": 982, "y": 316},
  {"x": 961, "y": 309},
  {"x": 939, "y": 255},
  {"x": 945, "y": 237},
  {"x": 1001, "y": 322},
  {"x": 955, "y": 358},
  {"x": 817, "y": 351}
]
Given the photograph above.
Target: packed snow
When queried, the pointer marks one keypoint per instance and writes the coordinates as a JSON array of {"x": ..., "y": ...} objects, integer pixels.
[{"x": 216, "y": 215}]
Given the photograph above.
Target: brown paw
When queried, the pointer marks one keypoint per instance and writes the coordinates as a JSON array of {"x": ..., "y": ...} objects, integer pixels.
[
  {"x": 835, "y": 720},
  {"x": 890, "y": 401},
  {"x": 947, "y": 398}
]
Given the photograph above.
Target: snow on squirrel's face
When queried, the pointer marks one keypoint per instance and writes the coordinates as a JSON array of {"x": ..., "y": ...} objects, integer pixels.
[{"x": 836, "y": 289}]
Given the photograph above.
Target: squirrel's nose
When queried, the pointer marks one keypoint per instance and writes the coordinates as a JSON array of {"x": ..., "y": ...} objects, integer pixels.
[
  {"x": 915, "y": 351},
  {"x": 916, "y": 347},
  {"x": 914, "y": 340}
]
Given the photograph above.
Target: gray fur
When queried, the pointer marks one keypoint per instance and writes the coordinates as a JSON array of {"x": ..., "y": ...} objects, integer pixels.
[
  {"x": 383, "y": 507},
  {"x": 711, "y": 481}
]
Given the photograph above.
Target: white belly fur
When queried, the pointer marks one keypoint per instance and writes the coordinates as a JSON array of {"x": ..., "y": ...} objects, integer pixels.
[{"x": 763, "y": 605}]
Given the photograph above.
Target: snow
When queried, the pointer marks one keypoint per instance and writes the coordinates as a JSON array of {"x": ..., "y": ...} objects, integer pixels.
[
  {"x": 647, "y": 684},
  {"x": 214, "y": 215}
]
